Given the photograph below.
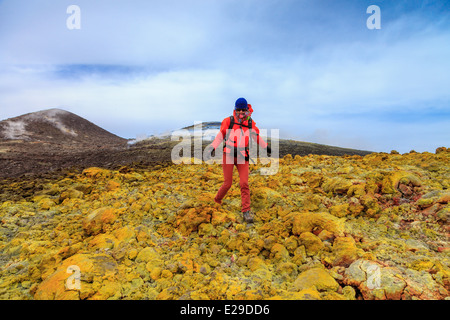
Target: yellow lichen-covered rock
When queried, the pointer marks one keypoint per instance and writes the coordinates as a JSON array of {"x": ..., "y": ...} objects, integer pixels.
[
  {"x": 189, "y": 219},
  {"x": 442, "y": 150},
  {"x": 98, "y": 220},
  {"x": 103, "y": 241},
  {"x": 109, "y": 289},
  {"x": 252, "y": 295},
  {"x": 70, "y": 194},
  {"x": 166, "y": 274},
  {"x": 355, "y": 207},
  {"x": 325, "y": 235},
  {"x": 133, "y": 176},
  {"x": 340, "y": 210},
  {"x": 207, "y": 229},
  {"x": 264, "y": 197},
  {"x": 344, "y": 251},
  {"x": 155, "y": 273},
  {"x": 299, "y": 255},
  {"x": 311, "y": 202},
  {"x": 234, "y": 289},
  {"x": 371, "y": 205},
  {"x": 312, "y": 243},
  {"x": 316, "y": 278},
  {"x": 221, "y": 217},
  {"x": 95, "y": 172},
  {"x": 444, "y": 198},
  {"x": 294, "y": 180},
  {"x": 291, "y": 244},
  {"x": 313, "y": 179},
  {"x": 148, "y": 254},
  {"x": 336, "y": 185},
  {"x": 307, "y": 222},
  {"x": 279, "y": 252},
  {"x": 357, "y": 190},
  {"x": 287, "y": 269},
  {"x": 330, "y": 295},
  {"x": 95, "y": 277},
  {"x": 391, "y": 182},
  {"x": 305, "y": 294},
  {"x": 46, "y": 204},
  {"x": 54, "y": 288},
  {"x": 256, "y": 263},
  {"x": 349, "y": 293},
  {"x": 123, "y": 235},
  {"x": 132, "y": 254},
  {"x": 112, "y": 185}
]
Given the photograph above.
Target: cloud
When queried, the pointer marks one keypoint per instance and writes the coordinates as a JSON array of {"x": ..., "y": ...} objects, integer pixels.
[
  {"x": 120, "y": 32},
  {"x": 149, "y": 103}
]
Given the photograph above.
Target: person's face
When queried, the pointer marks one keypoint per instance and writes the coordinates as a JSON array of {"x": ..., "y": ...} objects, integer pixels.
[{"x": 241, "y": 113}]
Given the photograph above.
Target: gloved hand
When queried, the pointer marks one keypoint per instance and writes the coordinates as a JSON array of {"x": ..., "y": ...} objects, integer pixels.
[
  {"x": 209, "y": 152},
  {"x": 269, "y": 151}
]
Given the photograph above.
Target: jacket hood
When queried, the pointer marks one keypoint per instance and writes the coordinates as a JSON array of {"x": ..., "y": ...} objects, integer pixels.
[{"x": 250, "y": 109}]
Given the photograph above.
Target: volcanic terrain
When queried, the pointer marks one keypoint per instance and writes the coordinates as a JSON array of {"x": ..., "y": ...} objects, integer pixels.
[{"x": 330, "y": 223}]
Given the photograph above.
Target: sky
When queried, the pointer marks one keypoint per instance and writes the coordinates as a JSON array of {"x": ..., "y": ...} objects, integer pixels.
[{"x": 312, "y": 69}]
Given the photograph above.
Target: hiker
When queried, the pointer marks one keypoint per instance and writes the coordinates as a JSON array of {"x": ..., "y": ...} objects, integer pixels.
[{"x": 236, "y": 130}]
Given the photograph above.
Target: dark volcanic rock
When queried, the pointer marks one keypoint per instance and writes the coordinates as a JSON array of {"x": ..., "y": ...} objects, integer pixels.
[{"x": 56, "y": 126}]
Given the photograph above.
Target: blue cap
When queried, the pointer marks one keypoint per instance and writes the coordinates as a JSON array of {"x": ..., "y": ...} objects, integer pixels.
[{"x": 241, "y": 103}]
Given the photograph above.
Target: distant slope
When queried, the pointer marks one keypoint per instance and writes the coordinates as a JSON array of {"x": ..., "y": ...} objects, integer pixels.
[
  {"x": 286, "y": 146},
  {"x": 56, "y": 126},
  {"x": 302, "y": 148},
  {"x": 54, "y": 139},
  {"x": 51, "y": 140}
]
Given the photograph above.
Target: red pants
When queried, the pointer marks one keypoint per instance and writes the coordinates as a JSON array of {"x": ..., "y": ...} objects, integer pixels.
[{"x": 227, "y": 167}]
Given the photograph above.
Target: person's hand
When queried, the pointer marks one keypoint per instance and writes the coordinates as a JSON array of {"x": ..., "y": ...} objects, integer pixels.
[
  {"x": 209, "y": 152},
  {"x": 269, "y": 151}
]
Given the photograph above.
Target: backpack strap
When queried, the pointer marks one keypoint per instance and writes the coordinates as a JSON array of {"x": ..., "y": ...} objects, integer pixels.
[
  {"x": 229, "y": 128},
  {"x": 247, "y": 151}
]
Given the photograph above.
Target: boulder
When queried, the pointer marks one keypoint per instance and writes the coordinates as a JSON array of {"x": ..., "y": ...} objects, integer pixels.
[
  {"x": 98, "y": 220},
  {"x": 337, "y": 185},
  {"x": 316, "y": 278},
  {"x": 391, "y": 182},
  {"x": 82, "y": 276},
  {"x": 344, "y": 251},
  {"x": 309, "y": 222},
  {"x": 377, "y": 282},
  {"x": 312, "y": 243}
]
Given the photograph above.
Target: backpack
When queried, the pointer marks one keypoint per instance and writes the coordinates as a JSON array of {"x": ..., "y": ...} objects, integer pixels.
[{"x": 235, "y": 149}]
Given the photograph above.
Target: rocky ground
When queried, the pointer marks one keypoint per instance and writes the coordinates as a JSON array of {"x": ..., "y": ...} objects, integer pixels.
[
  {"x": 326, "y": 227},
  {"x": 49, "y": 142},
  {"x": 26, "y": 159}
]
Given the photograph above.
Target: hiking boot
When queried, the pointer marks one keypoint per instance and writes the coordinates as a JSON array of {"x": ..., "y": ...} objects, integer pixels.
[{"x": 248, "y": 217}]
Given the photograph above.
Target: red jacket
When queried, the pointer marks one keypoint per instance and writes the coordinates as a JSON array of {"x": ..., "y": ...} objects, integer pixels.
[{"x": 239, "y": 135}]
